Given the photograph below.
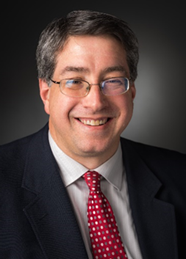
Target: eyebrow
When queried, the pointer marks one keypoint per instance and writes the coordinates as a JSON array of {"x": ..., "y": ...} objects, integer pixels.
[
  {"x": 74, "y": 69},
  {"x": 87, "y": 70},
  {"x": 114, "y": 69}
]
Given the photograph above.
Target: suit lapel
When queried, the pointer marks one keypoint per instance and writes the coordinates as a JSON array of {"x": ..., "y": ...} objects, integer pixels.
[
  {"x": 154, "y": 219},
  {"x": 50, "y": 213}
]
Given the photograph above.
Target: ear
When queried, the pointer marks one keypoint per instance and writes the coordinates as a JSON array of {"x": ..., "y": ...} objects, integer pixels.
[
  {"x": 133, "y": 90},
  {"x": 44, "y": 94}
]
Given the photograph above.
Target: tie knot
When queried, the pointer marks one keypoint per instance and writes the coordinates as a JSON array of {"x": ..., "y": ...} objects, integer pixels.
[{"x": 92, "y": 178}]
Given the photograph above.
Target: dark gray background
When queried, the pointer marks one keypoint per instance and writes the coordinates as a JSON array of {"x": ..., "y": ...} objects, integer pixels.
[{"x": 160, "y": 105}]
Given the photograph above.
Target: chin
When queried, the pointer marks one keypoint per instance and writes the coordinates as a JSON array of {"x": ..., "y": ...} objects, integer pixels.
[{"x": 95, "y": 148}]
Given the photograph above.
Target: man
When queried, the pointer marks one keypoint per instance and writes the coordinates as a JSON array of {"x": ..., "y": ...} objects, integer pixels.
[{"x": 87, "y": 66}]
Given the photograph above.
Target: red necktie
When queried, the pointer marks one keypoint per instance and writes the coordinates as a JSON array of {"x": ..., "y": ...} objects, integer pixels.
[{"x": 104, "y": 235}]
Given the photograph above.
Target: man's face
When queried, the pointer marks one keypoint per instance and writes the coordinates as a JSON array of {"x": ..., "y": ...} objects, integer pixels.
[{"x": 72, "y": 120}]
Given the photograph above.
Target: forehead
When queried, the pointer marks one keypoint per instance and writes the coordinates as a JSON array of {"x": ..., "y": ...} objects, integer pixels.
[
  {"x": 88, "y": 42},
  {"x": 90, "y": 53}
]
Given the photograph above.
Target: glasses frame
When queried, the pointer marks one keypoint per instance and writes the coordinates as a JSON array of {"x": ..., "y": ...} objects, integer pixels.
[{"x": 100, "y": 85}]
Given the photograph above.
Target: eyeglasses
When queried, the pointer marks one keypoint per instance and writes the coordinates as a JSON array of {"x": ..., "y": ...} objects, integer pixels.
[{"x": 79, "y": 88}]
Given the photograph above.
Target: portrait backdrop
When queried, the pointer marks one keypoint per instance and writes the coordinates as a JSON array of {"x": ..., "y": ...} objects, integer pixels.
[{"x": 160, "y": 105}]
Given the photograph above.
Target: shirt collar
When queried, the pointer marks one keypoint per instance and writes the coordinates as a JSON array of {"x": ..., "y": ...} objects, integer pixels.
[
  {"x": 71, "y": 170},
  {"x": 112, "y": 170}
]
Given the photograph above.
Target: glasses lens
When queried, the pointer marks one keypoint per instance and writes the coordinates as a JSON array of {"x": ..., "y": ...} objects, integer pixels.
[
  {"x": 74, "y": 87},
  {"x": 115, "y": 86}
]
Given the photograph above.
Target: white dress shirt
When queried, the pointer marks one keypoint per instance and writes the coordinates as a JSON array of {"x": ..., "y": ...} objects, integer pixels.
[{"x": 114, "y": 187}]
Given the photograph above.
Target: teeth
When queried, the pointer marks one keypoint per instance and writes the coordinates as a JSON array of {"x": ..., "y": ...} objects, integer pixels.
[{"x": 93, "y": 122}]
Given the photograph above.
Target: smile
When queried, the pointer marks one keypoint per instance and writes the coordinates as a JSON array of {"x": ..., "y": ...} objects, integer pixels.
[{"x": 91, "y": 122}]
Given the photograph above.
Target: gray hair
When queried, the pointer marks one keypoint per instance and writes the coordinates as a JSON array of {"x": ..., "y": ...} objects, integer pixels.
[{"x": 54, "y": 36}]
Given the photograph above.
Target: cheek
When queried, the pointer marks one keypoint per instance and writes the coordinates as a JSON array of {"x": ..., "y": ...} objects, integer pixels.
[
  {"x": 124, "y": 103},
  {"x": 125, "y": 107},
  {"x": 61, "y": 106}
]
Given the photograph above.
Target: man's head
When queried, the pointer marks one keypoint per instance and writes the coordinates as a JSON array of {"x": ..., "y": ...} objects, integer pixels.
[
  {"x": 86, "y": 76},
  {"x": 90, "y": 23}
]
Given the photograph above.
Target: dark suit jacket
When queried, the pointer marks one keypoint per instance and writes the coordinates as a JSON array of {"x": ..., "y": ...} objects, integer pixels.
[{"x": 37, "y": 219}]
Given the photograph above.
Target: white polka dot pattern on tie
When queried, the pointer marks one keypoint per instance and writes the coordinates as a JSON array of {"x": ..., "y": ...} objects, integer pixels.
[{"x": 104, "y": 235}]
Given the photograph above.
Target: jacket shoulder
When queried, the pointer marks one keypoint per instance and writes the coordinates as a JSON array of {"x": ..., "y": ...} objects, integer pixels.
[
  {"x": 14, "y": 151},
  {"x": 13, "y": 156},
  {"x": 145, "y": 149},
  {"x": 156, "y": 157}
]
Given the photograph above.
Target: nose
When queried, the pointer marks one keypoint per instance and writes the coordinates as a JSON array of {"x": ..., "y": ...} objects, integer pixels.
[{"x": 95, "y": 99}]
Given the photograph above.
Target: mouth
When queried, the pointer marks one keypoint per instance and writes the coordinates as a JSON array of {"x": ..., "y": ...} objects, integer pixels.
[{"x": 91, "y": 122}]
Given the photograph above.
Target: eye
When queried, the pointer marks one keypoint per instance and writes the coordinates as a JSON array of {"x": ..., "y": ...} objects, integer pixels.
[
  {"x": 115, "y": 81},
  {"x": 73, "y": 81},
  {"x": 115, "y": 86},
  {"x": 74, "y": 84}
]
